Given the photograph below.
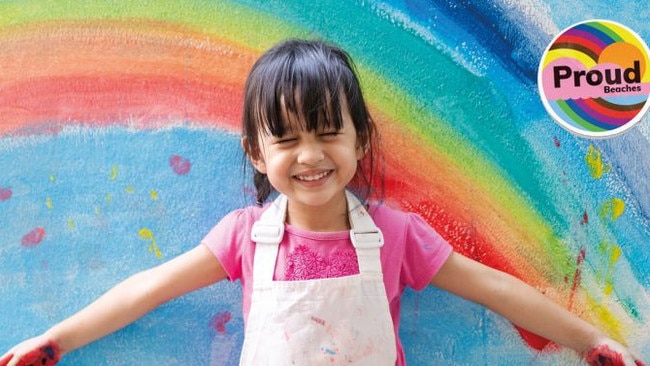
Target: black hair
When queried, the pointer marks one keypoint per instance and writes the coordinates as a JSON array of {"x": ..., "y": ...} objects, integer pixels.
[{"x": 308, "y": 79}]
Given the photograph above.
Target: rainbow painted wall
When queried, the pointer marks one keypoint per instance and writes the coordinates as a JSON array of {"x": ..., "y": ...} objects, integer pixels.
[{"x": 119, "y": 149}]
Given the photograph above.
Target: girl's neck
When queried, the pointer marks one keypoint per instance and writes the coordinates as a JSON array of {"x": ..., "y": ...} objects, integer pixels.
[{"x": 330, "y": 217}]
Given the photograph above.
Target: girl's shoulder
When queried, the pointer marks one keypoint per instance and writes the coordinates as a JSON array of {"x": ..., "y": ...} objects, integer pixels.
[
  {"x": 383, "y": 211},
  {"x": 235, "y": 226},
  {"x": 248, "y": 213}
]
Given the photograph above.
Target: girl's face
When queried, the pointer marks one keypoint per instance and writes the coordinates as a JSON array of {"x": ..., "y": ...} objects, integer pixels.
[{"x": 312, "y": 168}]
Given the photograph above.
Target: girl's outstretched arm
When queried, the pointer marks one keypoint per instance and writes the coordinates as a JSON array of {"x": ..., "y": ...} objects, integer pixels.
[
  {"x": 528, "y": 308},
  {"x": 120, "y": 306}
]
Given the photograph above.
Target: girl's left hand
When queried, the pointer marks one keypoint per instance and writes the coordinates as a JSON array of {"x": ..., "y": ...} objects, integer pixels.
[
  {"x": 35, "y": 351},
  {"x": 611, "y": 353}
]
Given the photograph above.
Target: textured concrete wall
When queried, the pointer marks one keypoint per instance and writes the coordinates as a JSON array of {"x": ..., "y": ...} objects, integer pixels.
[{"x": 119, "y": 150}]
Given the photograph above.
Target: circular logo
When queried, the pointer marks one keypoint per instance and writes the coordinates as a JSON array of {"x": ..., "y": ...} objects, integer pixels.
[{"x": 594, "y": 78}]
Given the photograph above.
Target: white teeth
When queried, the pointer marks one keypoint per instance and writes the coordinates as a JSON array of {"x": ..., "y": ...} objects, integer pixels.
[{"x": 311, "y": 178}]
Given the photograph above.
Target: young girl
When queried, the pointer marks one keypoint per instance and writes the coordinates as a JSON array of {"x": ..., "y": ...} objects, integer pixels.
[{"x": 322, "y": 273}]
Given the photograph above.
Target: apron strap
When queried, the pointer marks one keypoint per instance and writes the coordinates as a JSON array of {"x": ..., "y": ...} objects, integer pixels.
[
  {"x": 268, "y": 231},
  {"x": 365, "y": 236}
]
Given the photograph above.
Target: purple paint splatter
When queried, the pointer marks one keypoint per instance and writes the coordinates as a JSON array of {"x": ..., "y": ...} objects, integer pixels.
[
  {"x": 33, "y": 238},
  {"x": 5, "y": 194},
  {"x": 180, "y": 165},
  {"x": 219, "y": 321}
]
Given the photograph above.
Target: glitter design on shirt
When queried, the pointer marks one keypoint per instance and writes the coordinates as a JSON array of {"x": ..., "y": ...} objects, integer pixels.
[{"x": 305, "y": 264}]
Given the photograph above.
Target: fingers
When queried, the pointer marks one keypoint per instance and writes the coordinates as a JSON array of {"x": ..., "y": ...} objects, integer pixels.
[
  {"x": 47, "y": 355},
  {"x": 28, "y": 354},
  {"x": 603, "y": 355},
  {"x": 4, "y": 361}
]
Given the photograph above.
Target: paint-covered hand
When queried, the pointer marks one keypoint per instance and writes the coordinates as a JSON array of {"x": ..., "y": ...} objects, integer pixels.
[
  {"x": 35, "y": 351},
  {"x": 611, "y": 353}
]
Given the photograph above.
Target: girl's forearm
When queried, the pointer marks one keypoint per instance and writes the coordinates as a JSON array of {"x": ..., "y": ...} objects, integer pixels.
[
  {"x": 120, "y": 306},
  {"x": 517, "y": 301},
  {"x": 528, "y": 308}
]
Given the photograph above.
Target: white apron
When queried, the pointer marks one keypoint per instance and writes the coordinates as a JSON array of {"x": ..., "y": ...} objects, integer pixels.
[{"x": 332, "y": 321}]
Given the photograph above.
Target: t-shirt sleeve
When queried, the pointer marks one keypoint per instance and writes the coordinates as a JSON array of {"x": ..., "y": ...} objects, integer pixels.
[
  {"x": 228, "y": 241},
  {"x": 425, "y": 252}
]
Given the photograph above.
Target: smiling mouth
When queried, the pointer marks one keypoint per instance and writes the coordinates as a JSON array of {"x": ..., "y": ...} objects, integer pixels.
[{"x": 313, "y": 177}]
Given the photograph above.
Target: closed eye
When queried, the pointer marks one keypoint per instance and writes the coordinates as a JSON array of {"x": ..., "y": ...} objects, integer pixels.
[
  {"x": 285, "y": 140},
  {"x": 329, "y": 134}
]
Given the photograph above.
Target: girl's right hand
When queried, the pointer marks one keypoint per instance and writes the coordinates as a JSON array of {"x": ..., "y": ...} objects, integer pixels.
[
  {"x": 610, "y": 353},
  {"x": 36, "y": 351}
]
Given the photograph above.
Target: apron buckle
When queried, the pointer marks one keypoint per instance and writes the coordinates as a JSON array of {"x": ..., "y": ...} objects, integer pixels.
[
  {"x": 367, "y": 239},
  {"x": 267, "y": 233}
]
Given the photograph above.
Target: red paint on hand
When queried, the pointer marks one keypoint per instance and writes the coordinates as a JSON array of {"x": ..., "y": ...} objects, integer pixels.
[
  {"x": 603, "y": 356},
  {"x": 5, "y": 360},
  {"x": 33, "y": 238},
  {"x": 47, "y": 355}
]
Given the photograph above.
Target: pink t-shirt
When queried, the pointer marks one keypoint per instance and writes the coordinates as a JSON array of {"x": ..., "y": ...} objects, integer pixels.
[{"x": 412, "y": 254}]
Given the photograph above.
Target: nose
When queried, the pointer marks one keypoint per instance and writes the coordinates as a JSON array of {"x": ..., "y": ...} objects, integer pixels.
[{"x": 310, "y": 153}]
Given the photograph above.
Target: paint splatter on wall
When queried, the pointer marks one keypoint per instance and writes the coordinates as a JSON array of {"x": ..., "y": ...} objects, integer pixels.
[{"x": 119, "y": 143}]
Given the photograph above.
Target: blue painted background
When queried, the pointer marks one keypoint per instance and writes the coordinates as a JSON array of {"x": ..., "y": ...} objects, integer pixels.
[{"x": 95, "y": 188}]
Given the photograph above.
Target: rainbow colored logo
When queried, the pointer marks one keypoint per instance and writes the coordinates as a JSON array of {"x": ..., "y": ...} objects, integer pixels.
[{"x": 594, "y": 78}]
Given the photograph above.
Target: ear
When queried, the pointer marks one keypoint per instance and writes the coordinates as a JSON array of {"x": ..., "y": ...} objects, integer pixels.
[
  {"x": 255, "y": 157},
  {"x": 364, "y": 140},
  {"x": 362, "y": 150}
]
